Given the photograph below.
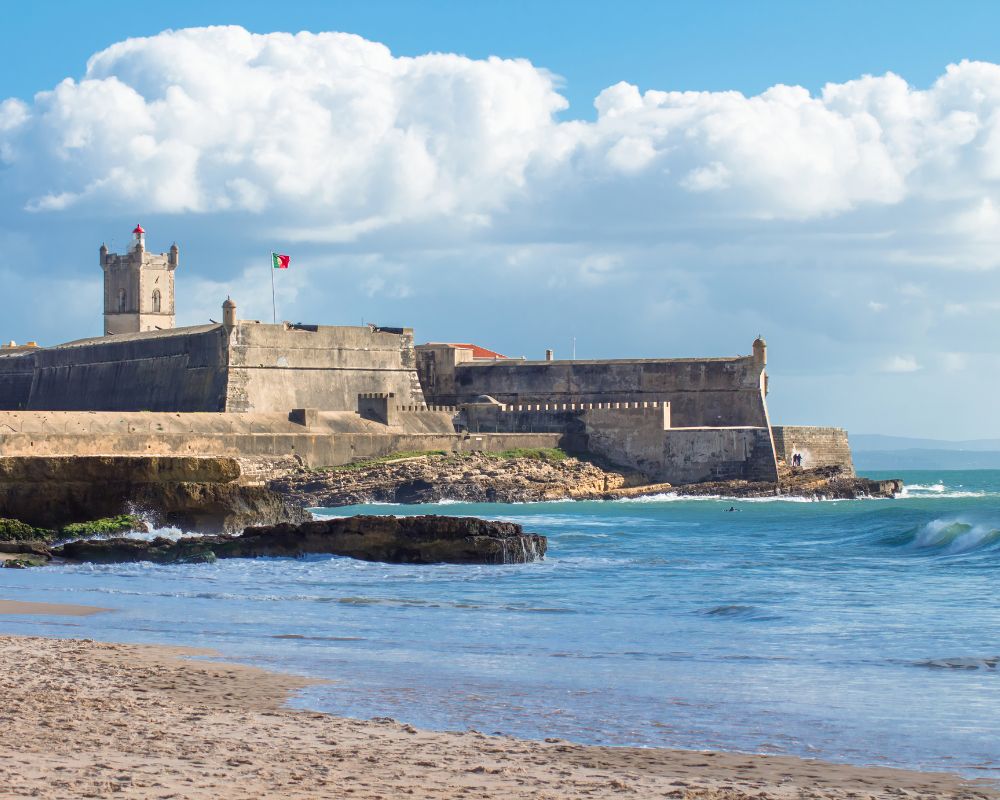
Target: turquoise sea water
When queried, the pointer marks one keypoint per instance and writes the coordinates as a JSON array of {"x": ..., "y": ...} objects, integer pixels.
[{"x": 860, "y": 631}]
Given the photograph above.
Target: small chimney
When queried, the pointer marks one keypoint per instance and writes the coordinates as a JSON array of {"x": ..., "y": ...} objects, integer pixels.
[{"x": 548, "y": 355}]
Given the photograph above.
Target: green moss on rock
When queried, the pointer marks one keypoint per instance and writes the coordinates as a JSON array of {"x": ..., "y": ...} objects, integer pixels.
[
  {"x": 13, "y": 530},
  {"x": 24, "y": 562},
  {"x": 109, "y": 526}
]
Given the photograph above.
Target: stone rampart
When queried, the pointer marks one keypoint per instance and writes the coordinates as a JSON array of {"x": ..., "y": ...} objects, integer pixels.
[
  {"x": 701, "y": 392},
  {"x": 274, "y": 367},
  {"x": 694, "y": 455},
  {"x": 330, "y": 438},
  {"x": 208, "y": 368},
  {"x": 16, "y": 373},
  {"x": 819, "y": 447},
  {"x": 639, "y": 435},
  {"x": 176, "y": 370}
]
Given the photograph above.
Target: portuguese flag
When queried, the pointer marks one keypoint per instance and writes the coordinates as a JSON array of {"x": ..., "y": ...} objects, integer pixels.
[{"x": 279, "y": 261}]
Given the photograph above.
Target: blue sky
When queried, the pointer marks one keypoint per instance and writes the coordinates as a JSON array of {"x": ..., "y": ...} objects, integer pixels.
[
  {"x": 740, "y": 45},
  {"x": 541, "y": 178}
]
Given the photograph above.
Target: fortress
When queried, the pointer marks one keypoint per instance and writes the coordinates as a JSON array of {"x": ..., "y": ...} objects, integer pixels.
[{"x": 331, "y": 394}]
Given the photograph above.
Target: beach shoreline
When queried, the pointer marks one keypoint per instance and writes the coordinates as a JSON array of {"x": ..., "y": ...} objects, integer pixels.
[
  {"x": 90, "y": 719},
  {"x": 9, "y": 607}
]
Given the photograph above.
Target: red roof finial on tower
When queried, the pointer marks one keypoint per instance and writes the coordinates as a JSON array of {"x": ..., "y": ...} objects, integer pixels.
[{"x": 138, "y": 229}]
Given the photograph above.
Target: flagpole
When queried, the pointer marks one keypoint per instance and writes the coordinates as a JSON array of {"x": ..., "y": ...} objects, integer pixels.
[{"x": 274, "y": 313}]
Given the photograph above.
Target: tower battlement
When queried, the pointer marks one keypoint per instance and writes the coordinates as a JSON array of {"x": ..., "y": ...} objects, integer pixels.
[{"x": 138, "y": 287}]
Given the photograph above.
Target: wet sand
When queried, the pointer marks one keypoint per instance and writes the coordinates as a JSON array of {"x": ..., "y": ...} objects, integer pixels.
[
  {"x": 55, "y": 609},
  {"x": 90, "y": 719}
]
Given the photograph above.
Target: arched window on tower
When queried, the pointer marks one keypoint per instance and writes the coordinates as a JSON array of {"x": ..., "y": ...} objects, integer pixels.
[
  {"x": 121, "y": 301},
  {"x": 156, "y": 301}
]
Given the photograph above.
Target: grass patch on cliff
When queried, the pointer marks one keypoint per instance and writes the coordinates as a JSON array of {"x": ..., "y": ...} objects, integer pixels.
[
  {"x": 364, "y": 463},
  {"x": 551, "y": 454}
]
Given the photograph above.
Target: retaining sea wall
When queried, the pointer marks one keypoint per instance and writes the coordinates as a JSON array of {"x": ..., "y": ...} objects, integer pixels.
[
  {"x": 819, "y": 447},
  {"x": 332, "y": 437},
  {"x": 639, "y": 435}
]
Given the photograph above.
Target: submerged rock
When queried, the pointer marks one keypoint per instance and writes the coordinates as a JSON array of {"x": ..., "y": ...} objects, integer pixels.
[
  {"x": 21, "y": 554},
  {"x": 405, "y": 540}
]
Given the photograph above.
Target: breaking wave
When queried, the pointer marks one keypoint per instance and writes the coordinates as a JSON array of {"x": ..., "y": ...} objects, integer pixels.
[{"x": 952, "y": 536}]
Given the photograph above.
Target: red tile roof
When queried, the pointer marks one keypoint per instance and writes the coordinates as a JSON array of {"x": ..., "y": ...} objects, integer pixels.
[{"x": 477, "y": 351}]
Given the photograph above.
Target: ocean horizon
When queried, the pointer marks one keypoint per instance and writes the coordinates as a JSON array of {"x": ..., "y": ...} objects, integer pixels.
[{"x": 860, "y": 631}]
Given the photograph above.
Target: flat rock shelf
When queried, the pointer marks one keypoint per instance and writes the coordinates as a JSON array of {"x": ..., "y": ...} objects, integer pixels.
[{"x": 406, "y": 540}]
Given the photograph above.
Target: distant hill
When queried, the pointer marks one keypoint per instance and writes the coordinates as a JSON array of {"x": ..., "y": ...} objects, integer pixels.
[
  {"x": 876, "y": 441},
  {"x": 873, "y": 451}
]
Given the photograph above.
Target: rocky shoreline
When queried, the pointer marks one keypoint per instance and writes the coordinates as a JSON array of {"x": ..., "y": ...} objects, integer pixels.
[
  {"x": 394, "y": 540},
  {"x": 203, "y": 494},
  {"x": 541, "y": 476},
  {"x": 42, "y": 499}
]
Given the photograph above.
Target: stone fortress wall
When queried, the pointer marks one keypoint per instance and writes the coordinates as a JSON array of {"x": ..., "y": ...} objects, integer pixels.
[
  {"x": 173, "y": 370},
  {"x": 17, "y": 371},
  {"x": 819, "y": 447},
  {"x": 244, "y": 368},
  {"x": 701, "y": 392},
  {"x": 639, "y": 435},
  {"x": 316, "y": 439},
  {"x": 280, "y": 367},
  {"x": 331, "y": 394}
]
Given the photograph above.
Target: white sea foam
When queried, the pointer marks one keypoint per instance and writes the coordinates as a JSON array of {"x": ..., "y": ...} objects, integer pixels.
[
  {"x": 673, "y": 497},
  {"x": 955, "y": 535},
  {"x": 915, "y": 493}
]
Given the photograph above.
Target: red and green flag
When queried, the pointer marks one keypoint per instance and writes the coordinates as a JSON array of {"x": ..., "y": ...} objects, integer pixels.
[{"x": 279, "y": 261}]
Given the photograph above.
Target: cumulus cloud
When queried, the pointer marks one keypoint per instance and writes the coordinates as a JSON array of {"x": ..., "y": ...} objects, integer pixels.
[
  {"x": 331, "y": 136},
  {"x": 439, "y": 190},
  {"x": 900, "y": 364},
  {"x": 219, "y": 119}
]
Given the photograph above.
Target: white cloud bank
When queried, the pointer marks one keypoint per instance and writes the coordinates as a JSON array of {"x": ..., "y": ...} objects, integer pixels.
[
  {"x": 442, "y": 192},
  {"x": 332, "y": 135}
]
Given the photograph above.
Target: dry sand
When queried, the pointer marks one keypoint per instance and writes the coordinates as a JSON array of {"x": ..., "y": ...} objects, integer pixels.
[{"x": 87, "y": 719}]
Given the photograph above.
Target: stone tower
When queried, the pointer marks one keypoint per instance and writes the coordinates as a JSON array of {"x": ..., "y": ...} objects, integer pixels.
[{"x": 138, "y": 287}]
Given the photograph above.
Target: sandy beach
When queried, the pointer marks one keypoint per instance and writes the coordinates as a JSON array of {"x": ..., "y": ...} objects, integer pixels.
[
  {"x": 61, "y": 609},
  {"x": 89, "y": 719}
]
